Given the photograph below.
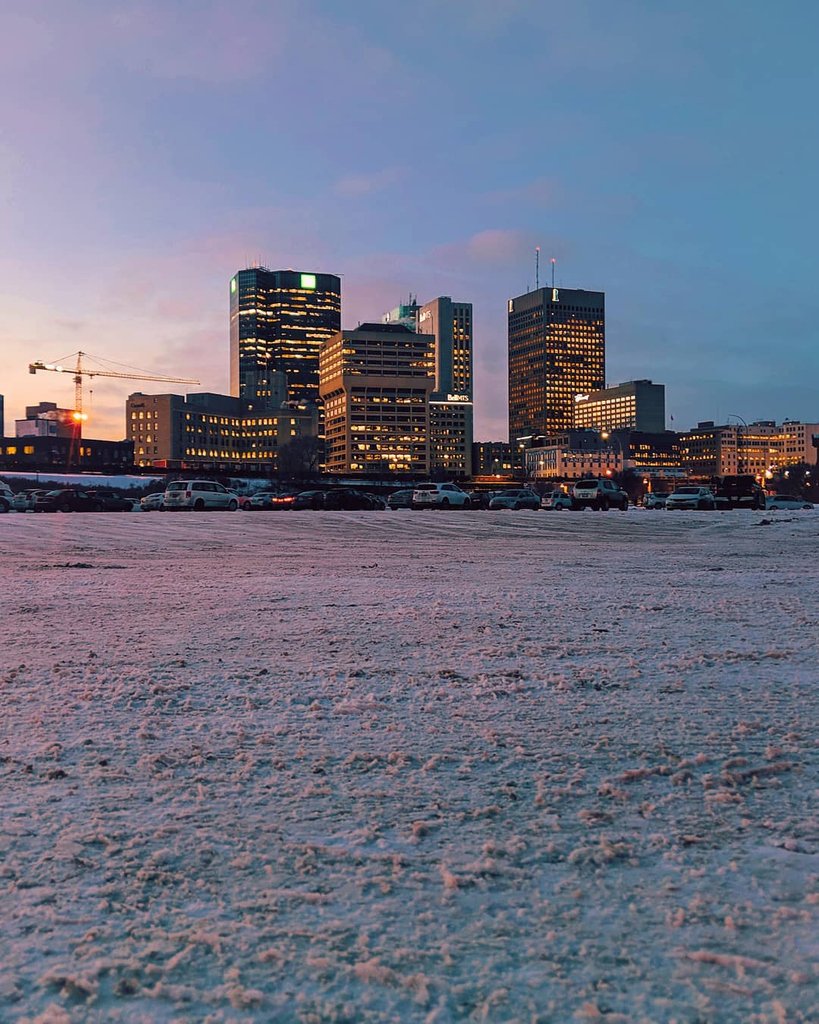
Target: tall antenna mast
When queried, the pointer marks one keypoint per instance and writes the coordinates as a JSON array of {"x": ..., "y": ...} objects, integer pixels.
[
  {"x": 553, "y": 271},
  {"x": 537, "y": 267}
]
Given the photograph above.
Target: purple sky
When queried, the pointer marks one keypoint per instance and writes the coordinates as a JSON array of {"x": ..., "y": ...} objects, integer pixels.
[{"x": 667, "y": 157}]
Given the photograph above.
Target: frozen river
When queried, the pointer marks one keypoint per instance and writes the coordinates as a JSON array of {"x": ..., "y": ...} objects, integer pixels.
[{"x": 514, "y": 767}]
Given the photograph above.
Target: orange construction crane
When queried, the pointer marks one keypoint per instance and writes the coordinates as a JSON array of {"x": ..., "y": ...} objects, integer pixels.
[{"x": 79, "y": 370}]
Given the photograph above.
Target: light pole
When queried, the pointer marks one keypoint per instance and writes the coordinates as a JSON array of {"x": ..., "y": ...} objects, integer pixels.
[
  {"x": 740, "y": 460},
  {"x": 607, "y": 435}
]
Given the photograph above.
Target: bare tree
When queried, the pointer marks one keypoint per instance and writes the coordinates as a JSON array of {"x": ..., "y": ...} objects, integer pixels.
[{"x": 300, "y": 459}]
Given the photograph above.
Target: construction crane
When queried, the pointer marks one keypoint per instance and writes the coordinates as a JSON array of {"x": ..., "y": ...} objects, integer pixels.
[{"x": 79, "y": 370}]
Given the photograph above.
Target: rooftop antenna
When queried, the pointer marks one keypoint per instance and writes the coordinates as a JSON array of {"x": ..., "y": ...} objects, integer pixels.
[
  {"x": 537, "y": 267},
  {"x": 553, "y": 271}
]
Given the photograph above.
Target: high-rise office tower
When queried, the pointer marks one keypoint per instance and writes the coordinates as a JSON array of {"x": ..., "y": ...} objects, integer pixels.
[
  {"x": 451, "y": 403},
  {"x": 279, "y": 319},
  {"x": 557, "y": 350},
  {"x": 375, "y": 383}
]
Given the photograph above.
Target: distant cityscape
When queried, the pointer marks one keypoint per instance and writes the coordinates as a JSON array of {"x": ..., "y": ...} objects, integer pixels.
[{"x": 394, "y": 398}]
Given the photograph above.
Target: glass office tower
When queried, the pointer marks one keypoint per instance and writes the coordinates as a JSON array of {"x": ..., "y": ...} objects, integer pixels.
[
  {"x": 557, "y": 350},
  {"x": 279, "y": 319}
]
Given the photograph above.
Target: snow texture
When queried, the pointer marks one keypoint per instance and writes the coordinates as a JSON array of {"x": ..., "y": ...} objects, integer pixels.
[{"x": 359, "y": 767}]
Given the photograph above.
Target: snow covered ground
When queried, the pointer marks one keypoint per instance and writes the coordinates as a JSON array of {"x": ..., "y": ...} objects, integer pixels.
[{"x": 308, "y": 767}]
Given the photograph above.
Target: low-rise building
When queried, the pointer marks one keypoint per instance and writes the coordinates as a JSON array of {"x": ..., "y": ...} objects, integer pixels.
[
  {"x": 496, "y": 458},
  {"x": 757, "y": 449},
  {"x": 40, "y": 453},
  {"x": 579, "y": 453},
  {"x": 47, "y": 420},
  {"x": 213, "y": 432}
]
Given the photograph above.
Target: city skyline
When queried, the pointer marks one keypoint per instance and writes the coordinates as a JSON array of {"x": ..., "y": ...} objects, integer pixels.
[{"x": 146, "y": 164}]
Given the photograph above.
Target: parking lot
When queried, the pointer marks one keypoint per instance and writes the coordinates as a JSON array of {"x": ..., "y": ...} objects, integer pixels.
[{"x": 408, "y": 766}]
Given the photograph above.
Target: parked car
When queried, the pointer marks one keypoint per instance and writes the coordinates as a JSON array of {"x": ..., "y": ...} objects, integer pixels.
[
  {"x": 6, "y": 498},
  {"x": 152, "y": 502},
  {"x": 598, "y": 493},
  {"x": 23, "y": 501},
  {"x": 400, "y": 499},
  {"x": 786, "y": 502},
  {"x": 113, "y": 502},
  {"x": 555, "y": 501},
  {"x": 67, "y": 499},
  {"x": 198, "y": 495},
  {"x": 347, "y": 499},
  {"x": 242, "y": 499},
  {"x": 283, "y": 501},
  {"x": 377, "y": 503},
  {"x": 309, "y": 500},
  {"x": 691, "y": 496},
  {"x": 515, "y": 500},
  {"x": 654, "y": 499},
  {"x": 261, "y": 500},
  {"x": 439, "y": 496},
  {"x": 481, "y": 499}
]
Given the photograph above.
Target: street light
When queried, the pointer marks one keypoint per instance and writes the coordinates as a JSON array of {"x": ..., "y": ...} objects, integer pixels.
[
  {"x": 606, "y": 435},
  {"x": 740, "y": 461}
]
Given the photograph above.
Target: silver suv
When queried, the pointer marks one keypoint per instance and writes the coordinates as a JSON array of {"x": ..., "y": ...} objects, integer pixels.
[
  {"x": 598, "y": 494},
  {"x": 198, "y": 495}
]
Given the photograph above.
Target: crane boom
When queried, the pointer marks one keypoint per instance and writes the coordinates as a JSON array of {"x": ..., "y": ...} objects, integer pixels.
[{"x": 78, "y": 371}]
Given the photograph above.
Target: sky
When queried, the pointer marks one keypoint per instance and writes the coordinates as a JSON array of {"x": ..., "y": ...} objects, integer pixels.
[{"x": 665, "y": 154}]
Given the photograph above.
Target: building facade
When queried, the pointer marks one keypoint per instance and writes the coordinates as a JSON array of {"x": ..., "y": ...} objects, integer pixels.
[
  {"x": 634, "y": 405},
  {"x": 279, "y": 320},
  {"x": 557, "y": 350},
  {"x": 758, "y": 449},
  {"x": 579, "y": 453},
  {"x": 375, "y": 383},
  {"x": 42, "y": 452},
  {"x": 47, "y": 420},
  {"x": 452, "y": 402},
  {"x": 213, "y": 432},
  {"x": 495, "y": 458}
]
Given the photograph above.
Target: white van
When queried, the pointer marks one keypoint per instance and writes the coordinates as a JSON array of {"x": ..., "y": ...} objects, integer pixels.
[{"x": 198, "y": 495}]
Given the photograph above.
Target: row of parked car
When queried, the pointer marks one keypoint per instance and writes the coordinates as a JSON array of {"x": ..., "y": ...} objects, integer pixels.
[
  {"x": 65, "y": 499},
  {"x": 704, "y": 499},
  {"x": 203, "y": 495}
]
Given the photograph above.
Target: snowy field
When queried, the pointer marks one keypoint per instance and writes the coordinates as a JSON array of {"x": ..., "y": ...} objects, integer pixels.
[{"x": 354, "y": 767}]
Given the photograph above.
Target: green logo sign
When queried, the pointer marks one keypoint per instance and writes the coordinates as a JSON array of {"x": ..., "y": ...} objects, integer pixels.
[
  {"x": 308, "y": 281},
  {"x": 232, "y": 285}
]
